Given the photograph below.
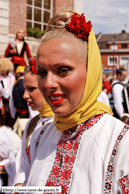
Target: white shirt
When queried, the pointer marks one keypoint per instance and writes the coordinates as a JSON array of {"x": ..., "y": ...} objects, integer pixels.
[
  {"x": 19, "y": 47},
  {"x": 8, "y": 84},
  {"x": 94, "y": 154},
  {"x": 8, "y": 155},
  {"x": 32, "y": 113},
  {"x": 118, "y": 98},
  {"x": 25, "y": 165},
  {"x": 103, "y": 97}
]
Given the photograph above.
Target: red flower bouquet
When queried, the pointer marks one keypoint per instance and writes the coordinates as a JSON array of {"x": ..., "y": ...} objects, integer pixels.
[{"x": 79, "y": 27}]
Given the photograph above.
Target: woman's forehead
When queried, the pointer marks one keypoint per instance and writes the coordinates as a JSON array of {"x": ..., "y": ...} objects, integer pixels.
[
  {"x": 58, "y": 47},
  {"x": 67, "y": 43}
]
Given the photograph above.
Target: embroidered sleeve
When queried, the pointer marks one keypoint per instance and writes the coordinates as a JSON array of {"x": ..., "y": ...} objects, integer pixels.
[
  {"x": 118, "y": 166},
  {"x": 124, "y": 184}
]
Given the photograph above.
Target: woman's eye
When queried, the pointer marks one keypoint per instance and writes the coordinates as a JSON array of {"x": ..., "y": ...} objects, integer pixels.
[
  {"x": 63, "y": 71},
  {"x": 31, "y": 89},
  {"x": 42, "y": 73}
]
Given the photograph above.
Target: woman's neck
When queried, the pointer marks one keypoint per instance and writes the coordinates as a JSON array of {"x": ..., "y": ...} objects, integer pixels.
[
  {"x": 73, "y": 129},
  {"x": 19, "y": 41}
]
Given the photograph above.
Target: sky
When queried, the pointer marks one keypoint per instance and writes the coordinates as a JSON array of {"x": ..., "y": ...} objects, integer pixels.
[{"x": 107, "y": 16}]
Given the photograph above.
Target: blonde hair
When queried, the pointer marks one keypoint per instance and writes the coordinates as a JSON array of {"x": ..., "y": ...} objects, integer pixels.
[
  {"x": 28, "y": 70},
  {"x": 5, "y": 65},
  {"x": 57, "y": 28}
]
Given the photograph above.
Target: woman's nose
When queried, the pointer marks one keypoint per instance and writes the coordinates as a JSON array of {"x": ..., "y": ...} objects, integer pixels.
[
  {"x": 25, "y": 95},
  {"x": 51, "y": 81}
]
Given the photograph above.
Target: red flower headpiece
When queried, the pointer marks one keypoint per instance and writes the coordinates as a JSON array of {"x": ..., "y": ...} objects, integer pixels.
[
  {"x": 79, "y": 27},
  {"x": 32, "y": 63}
]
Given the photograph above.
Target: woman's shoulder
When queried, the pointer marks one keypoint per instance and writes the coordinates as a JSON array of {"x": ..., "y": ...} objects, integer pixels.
[
  {"x": 111, "y": 123},
  {"x": 25, "y": 43},
  {"x": 105, "y": 131}
]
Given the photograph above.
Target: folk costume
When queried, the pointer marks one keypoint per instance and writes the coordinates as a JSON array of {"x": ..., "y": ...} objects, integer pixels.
[
  {"x": 118, "y": 99},
  {"x": 7, "y": 165},
  {"x": 33, "y": 132},
  {"x": 103, "y": 97},
  {"x": 18, "y": 57},
  {"x": 6, "y": 84},
  {"x": 5, "y": 92},
  {"x": 94, "y": 158},
  {"x": 19, "y": 102}
]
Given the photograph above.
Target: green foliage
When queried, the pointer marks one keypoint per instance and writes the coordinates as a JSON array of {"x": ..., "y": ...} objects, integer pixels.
[{"x": 35, "y": 32}]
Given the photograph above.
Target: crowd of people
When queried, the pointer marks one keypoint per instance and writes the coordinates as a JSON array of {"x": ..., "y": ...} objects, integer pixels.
[{"x": 74, "y": 138}]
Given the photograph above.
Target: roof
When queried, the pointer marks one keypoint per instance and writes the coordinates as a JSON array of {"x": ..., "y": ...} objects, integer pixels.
[
  {"x": 104, "y": 39},
  {"x": 123, "y": 36}
]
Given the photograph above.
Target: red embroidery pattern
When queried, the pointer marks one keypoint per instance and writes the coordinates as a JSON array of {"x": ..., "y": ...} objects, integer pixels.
[
  {"x": 124, "y": 183},
  {"x": 66, "y": 154},
  {"x": 109, "y": 173},
  {"x": 39, "y": 137},
  {"x": 37, "y": 143},
  {"x": 28, "y": 154}
]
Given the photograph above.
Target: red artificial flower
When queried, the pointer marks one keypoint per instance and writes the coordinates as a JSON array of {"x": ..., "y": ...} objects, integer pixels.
[
  {"x": 79, "y": 27},
  {"x": 33, "y": 65}
]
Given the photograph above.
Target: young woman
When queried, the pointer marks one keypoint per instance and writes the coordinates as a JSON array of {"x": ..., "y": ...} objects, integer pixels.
[
  {"x": 87, "y": 149},
  {"x": 16, "y": 49},
  {"x": 36, "y": 126}
]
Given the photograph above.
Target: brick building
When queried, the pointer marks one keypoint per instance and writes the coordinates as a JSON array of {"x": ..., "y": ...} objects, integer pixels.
[
  {"x": 22, "y": 14},
  {"x": 114, "y": 49}
]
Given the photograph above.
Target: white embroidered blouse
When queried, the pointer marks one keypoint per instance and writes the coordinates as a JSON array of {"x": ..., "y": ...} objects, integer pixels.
[{"x": 92, "y": 160}]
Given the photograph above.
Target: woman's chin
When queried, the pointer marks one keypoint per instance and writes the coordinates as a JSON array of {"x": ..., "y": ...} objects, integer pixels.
[
  {"x": 33, "y": 108},
  {"x": 59, "y": 112}
]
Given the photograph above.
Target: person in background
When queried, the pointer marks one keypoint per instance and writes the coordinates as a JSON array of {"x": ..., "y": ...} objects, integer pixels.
[
  {"x": 86, "y": 149},
  {"x": 36, "y": 126},
  {"x": 6, "y": 84},
  {"x": 7, "y": 161},
  {"x": 107, "y": 85},
  {"x": 18, "y": 106},
  {"x": 125, "y": 118},
  {"x": 17, "y": 95},
  {"x": 19, "y": 73},
  {"x": 16, "y": 49},
  {"x": 117, "y": 88},
  {"x": 9, "y": 146},
  {"x": 103, "y": 97}
]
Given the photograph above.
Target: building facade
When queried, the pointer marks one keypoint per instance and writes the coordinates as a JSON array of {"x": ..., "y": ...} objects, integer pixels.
[
  {"x": 23, "y": 14},
  {"x": 114, "y": 49}
]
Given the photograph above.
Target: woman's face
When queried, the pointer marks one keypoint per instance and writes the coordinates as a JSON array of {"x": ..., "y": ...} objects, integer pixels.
[
  {"x": 20, "y": 35},
  {"x": 32, "y": 94},
  {"x": 61, "y": 75}
]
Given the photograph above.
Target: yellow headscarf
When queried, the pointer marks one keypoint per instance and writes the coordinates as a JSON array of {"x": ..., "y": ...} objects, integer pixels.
[
  {"x": 89, "y": 106},
  {"x": 45, "y": 111}
]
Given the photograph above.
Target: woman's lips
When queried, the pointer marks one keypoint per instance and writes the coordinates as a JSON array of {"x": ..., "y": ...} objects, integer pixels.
[
  {"x": 30, "y": 103},
  {"x": 56, "y": 99}
]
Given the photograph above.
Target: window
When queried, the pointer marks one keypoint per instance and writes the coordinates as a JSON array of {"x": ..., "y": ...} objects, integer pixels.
[
  {"x": 38, "y": 13},
  {"x": 113, "y": 47},
  {"x": 124, "y": 46},
  {"x": 124, "y": 60},
  {"x": 112, "y": 61}
]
